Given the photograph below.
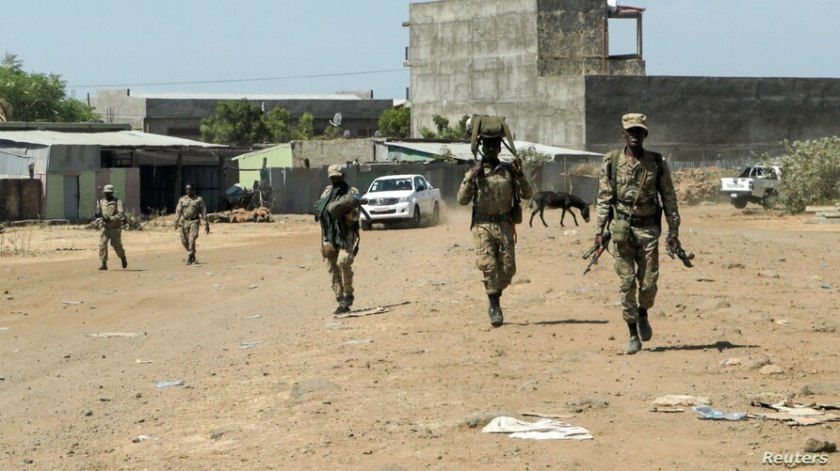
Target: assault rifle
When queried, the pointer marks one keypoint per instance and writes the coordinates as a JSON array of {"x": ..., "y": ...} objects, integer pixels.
[
  {"x": 594, "y": 253},
  {"x": 682, "y": 254}
]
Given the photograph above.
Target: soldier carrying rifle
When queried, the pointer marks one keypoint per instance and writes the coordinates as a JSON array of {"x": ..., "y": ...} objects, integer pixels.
[{"x": 634, "y": 189}]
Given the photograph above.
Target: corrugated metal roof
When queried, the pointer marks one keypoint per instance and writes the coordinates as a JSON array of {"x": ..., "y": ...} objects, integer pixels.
[
  {"x": 240, "y": 96},
  {"x": 461, "y": 151},
  {"x": 103, "y": 139}
]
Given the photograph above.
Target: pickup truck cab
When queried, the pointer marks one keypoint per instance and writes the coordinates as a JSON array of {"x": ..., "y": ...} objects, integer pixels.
[
  {"x": 755, "y": 184},
  {"x": 400, "y": 199}
]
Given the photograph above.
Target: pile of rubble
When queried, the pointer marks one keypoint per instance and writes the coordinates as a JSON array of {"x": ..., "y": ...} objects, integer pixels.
[
  {"x": 241, "y": 215},
  {"x": 696, "y": 185}
]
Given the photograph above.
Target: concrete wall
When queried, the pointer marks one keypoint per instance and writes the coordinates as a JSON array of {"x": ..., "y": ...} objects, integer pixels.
[
  {"x": 515, "y": 58},
  {"x": 182, "y": 117},
  {"x": 573, "y": 40},
  {"x": 20, "y": 199},
  {"x": 117, "y": 106},
  {"x": 335, "y": 151},
  {"x": 712, "y": 118},
  {"x": 470, "y": 56},
  {"x": 295, "y": 190}
]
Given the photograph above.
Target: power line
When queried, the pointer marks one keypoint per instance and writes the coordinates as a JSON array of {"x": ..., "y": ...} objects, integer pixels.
[{"x": 263, "y": 79}]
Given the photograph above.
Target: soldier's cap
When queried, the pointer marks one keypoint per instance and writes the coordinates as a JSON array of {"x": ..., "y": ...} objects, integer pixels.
[
  {"x": 335, "y": 171},
  {"x": 634, "y": 120},
  {"x": 108, "y": 189}
]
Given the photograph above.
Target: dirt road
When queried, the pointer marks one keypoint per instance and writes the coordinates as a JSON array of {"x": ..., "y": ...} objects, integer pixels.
[{"x": 271, "y": 380}]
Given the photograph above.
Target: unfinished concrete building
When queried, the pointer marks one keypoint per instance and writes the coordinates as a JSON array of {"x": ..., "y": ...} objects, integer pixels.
[{"x": 546, "y": 65}]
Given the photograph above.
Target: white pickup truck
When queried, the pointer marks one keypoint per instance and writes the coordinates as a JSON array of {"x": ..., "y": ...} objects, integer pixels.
[
  {"x": 401, "y": 198},
  {"x": 755, "y": 184}
]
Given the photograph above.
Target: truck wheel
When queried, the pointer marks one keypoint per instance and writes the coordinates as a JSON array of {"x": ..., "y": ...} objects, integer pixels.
[
  {"x": 415, "y": 220},
  {"x": 739, "y": 203},
  {"x": 436, "y": 215},
  {"x": 366, "y": 225},
  {"x": 770, "y": 199}
]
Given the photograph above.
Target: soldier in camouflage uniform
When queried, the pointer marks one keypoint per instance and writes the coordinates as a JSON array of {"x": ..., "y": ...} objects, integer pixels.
[
  {"x": 491, "y": 187},
  {"x": 111, "y": 216},
  {"x": 635, "y": 187},
  {"x": 190, "y": 210},
  {"x": 338, "y": 212}
]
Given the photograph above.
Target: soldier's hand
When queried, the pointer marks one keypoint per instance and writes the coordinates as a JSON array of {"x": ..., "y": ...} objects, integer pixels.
[
  {"x": 598, "y": 240},
  {"x": 207, "y": 228},
  {"x": 363, "y": 201},
  {"x": 516, "y": 165},
  {"x": 177, "y": 226},
  {"x": 673, "y": 243}
]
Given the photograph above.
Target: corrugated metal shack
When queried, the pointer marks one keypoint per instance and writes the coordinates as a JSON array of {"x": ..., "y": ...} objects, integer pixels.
[{"x": 148, "y": 171}]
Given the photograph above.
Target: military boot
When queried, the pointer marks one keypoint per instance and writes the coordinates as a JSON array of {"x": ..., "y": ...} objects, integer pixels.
[
  {"x": 124, "y": 262},
  {"x": 104, "y": 265},
  {"x": 634, "y": 345},
  {"x": 645, "y": 331},
  {"x": 342, "y": 306},
  {"x": 190, "y": 259},
  {"x": 495, "y": 310}
]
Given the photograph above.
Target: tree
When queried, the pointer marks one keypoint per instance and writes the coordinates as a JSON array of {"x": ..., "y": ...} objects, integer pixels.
[
  {"x": 305, "y": 129},
  {"x": 458, "y": 133},
  {"x": 395, "y": 122},
  {"x": 235, "y": 122},
  {"x": 810, "y": 173},
  {"x": 279, "y": 124},
  {"x": 35, "y": 96},
  {"x": 332, "y": 132}
]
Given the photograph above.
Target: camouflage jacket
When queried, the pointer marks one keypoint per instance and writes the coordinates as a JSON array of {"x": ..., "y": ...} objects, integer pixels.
[
  {"x": 112, "y": 213},
  {"x": 190, "y": 209},
  {"x": 493, "y": 190},
  {"x": 339, "y": 216},
  {"x": 657, "y": 190}
]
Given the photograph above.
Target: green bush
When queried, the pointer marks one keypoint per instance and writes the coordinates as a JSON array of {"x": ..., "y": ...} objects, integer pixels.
[{"x": 810, "y": 173}]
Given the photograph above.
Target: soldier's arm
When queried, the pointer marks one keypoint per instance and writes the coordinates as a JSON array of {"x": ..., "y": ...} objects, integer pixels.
[
  {"x": 120, "y": 210},
  {"x": 669, "y": 200},
  {"x": 526, "y": 191},
  {"x": 179, "y": 212},
  {"x": 467, "y": 189},
  {"x": 604, "y": 200}
]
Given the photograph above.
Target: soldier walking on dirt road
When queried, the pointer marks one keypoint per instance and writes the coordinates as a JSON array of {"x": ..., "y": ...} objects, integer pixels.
[
  {"x": 111, "y": 215},
  {"x": 634, "y": 188},
  {"x": 338, "y": 212},
  {"x": 493, "y": 187},
  {"x": 191, "y": 209}
]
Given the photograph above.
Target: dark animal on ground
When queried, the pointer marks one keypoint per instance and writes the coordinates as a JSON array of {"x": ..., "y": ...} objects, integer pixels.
[{"x": 552, "y": 200}]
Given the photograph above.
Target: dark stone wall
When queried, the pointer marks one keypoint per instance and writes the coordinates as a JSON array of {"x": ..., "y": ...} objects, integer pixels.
[
  {"x": 20, "y": 199},
  {"x": 709, "y": 119}
]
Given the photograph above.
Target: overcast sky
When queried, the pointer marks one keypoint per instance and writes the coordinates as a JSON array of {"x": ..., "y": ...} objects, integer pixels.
[{"x": 322, "y": 46}]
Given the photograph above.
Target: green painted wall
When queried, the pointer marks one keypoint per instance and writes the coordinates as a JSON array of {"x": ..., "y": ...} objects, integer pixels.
[
  {"x": 55, "y": 197},
  {"x": 87, "y": 195},
  {"x": 249, "y": 164}
]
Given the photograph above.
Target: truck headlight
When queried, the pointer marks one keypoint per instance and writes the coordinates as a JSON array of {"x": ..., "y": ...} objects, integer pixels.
[{"x": 403, "y": 199}]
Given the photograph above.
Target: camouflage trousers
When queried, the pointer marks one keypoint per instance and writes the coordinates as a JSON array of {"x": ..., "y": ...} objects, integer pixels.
[
  {"x": 341, "y": 273},
  {"x": 637, "y": 265},
  {"x": 189, "y": 234},
  {"x": 495, "y": 254},
  {"x": 115, "y": 237}
]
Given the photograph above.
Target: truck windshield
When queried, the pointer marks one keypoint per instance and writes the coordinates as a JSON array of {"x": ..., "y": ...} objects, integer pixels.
[{"x": 391, "y": 184}]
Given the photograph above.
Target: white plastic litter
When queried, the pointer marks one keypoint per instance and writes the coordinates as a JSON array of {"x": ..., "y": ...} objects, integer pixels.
[{"x": 542, "y": 429}]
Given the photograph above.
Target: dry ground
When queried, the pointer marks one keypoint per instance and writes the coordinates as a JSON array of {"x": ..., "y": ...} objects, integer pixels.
[{"x": 273, "y": 381}]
